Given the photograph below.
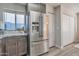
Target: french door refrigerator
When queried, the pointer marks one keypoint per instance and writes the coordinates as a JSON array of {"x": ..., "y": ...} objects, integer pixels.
[{"x": 38, "y": 25}]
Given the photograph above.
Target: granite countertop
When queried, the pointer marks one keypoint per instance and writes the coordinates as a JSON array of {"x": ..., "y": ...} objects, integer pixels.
[{"x": 9, "y": 35}]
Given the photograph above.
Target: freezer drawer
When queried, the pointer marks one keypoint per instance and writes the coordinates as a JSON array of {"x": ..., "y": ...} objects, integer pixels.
[{"x": 39, "y": 47}]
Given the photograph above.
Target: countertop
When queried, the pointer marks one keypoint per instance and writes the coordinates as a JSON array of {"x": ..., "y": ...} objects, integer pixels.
[{"x": 10, "y": 35}]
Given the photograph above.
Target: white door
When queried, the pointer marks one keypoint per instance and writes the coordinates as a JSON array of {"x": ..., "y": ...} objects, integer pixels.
[
  {"x": 72, "y": 29},
  {"x": 67, "y": 29},
  {"x": 51, "y": 30}
]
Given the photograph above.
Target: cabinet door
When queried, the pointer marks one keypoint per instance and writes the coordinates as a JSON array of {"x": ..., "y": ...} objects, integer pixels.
[
  {"x": 11, "y": 45},
  {"x": 68, "y": 29},
  {"x": 22, "y": 46},
  {"x": 1, "y": 48},
  {"x": 65, "y": 30},
  {"x": 71, "y": 29}
]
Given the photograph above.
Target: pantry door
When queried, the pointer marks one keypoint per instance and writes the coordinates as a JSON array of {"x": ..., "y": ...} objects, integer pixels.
[{"x": 67, "y": 29}]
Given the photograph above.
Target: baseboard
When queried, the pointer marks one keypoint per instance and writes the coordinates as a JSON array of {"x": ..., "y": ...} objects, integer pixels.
[{"x": 24, "y": 55}]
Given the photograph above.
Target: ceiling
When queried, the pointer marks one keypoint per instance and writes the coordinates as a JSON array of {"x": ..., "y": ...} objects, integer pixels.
[
  {"x": 23, "y": 3},
  {"x": 54, "y": 4},
  {"x": 74, "y": 6}
]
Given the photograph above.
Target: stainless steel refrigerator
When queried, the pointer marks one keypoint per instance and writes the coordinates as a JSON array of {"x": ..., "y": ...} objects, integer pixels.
[{"x": 38, "y": 25}]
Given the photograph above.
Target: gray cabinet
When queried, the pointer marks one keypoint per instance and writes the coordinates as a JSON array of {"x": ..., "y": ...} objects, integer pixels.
[
  {"x": 1, "y": 48},
  {"x": 11, "y": 46},
  {"x": 21, "y": 45},
  {"x": 16, "y": 46}
]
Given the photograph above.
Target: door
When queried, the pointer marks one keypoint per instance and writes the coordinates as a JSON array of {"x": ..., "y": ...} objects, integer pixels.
[
  {"x": 51, "y": 30},
  {"x": 67, "y": 29},
  {"x": 72, "y": 28}
]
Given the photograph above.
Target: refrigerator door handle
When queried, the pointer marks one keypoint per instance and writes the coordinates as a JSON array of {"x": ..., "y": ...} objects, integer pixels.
[{"x": 40, "y": 26}]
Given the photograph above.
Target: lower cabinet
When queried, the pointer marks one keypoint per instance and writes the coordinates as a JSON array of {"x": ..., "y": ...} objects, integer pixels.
[
  {"x": 1, "y": 48},
  {"x": 16, "y": 46},
  {"x": 21, "y": 46},
  {"x": 11, "y": 46}
]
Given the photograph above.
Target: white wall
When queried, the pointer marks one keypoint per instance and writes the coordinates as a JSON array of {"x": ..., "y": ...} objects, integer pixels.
[
  {"x": 77, "y": 28},
  {"x": 49, "y": 8},
  {"x": 58, "y": 26}
]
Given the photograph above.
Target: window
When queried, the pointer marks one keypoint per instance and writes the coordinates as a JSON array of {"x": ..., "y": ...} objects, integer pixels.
[
  {"x": 14, "y": 21},
  {"x": 1, "y": 21},
  {"x": 9, "y": 21},
  {"x": 1, "y": 25},
  {"x": 27, "y": 24},
  {"x": 19, "y": 22}
]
